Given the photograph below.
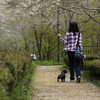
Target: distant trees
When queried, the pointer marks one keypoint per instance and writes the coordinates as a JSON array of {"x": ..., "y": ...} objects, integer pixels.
[{"x": 32, "y": 25}]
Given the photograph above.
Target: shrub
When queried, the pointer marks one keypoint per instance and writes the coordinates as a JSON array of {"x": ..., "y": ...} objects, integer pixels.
[
  {"x": 91, "y": 70},
  {"x": 66, "y": 61},
  {"x": 14, "y": 67},
  {"x": 92, "y": 57},
  {"x": 93, "y": 66}
]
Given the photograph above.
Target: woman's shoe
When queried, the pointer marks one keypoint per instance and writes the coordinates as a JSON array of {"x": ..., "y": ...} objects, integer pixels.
[
  {"x": 71, "y": 80},
  {"x": 78, "y": 79}
]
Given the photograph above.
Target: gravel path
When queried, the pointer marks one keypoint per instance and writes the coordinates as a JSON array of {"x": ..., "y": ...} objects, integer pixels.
[{"x": 47, "y": 87}]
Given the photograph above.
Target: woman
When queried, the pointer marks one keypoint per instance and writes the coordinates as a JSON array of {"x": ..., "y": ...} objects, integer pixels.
[{"x": 70, "y": 42}]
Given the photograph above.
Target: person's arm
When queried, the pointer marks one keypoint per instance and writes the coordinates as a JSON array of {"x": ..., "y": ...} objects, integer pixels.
[
  {"x": 64, "y": 40},
  {"x": 80, "y": 42}
]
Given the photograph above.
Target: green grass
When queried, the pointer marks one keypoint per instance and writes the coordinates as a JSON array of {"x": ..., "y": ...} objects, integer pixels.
[{"x": 47, "y": 63}]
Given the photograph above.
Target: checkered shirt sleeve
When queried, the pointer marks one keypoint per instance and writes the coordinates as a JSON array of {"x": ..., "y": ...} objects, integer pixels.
[{"x": 70, "y": 41}]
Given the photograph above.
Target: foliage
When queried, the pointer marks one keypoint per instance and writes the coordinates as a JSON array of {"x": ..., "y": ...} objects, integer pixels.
[
  {"x": 91, "y": 36},
  {"x": 66, "y": 61},
  {"x": 23, "y": 90},
  {"x": 95, "y": 0},
  {"x": 15, "y": 74},
  {"x": 47, "y": 63},
  {"x": 31, "y": 25},
  {"x": 86, "y": 74},
  {"x": 93, "y": 66},
  {"x": 91, "y": 70},
  {"x": 91, "y": 57}
]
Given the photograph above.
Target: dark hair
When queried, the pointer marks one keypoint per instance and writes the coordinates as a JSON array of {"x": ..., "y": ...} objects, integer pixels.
[{"x": 73, "y": 27}]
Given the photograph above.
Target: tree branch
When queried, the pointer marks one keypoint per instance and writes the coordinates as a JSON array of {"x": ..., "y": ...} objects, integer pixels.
[{"x": 91, "y": 17}]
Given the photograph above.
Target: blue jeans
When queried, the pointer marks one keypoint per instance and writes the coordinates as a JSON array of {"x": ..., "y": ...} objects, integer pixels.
[{"x": 73, "y": 64}]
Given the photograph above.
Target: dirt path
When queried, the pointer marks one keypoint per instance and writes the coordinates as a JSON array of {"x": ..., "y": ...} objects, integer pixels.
[{"x": 47, "y": 87}]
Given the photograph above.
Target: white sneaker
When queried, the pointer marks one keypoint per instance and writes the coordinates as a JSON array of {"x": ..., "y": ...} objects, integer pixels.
[
  {"x": 71, "y": 80},
  {"x": 78, "y": 79}
]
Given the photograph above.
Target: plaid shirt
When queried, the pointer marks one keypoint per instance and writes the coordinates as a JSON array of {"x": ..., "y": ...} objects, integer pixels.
[{"x": 70, "y": 41}]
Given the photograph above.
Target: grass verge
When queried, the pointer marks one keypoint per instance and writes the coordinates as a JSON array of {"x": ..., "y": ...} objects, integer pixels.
[{"x": 47, "y": 63}]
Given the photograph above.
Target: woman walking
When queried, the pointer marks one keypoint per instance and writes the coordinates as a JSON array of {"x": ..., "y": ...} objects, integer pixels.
[{"x": 70, "y": 42}]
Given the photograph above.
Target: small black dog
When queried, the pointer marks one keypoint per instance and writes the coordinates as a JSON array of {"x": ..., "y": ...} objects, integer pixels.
[{"x": 62, "y": 76}]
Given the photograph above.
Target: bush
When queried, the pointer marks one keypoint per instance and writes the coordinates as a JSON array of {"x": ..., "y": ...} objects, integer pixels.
[
  {"x": 14, "y": 67},
  {"x": 66, "y": 61},
  {"x": 93, "y": 66},
  {"x": 91, "y": 78},
  {"x": 92, "y": 57},
  {"x": 91, "y": 70},
  {"x": 22, "y": 90}
]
